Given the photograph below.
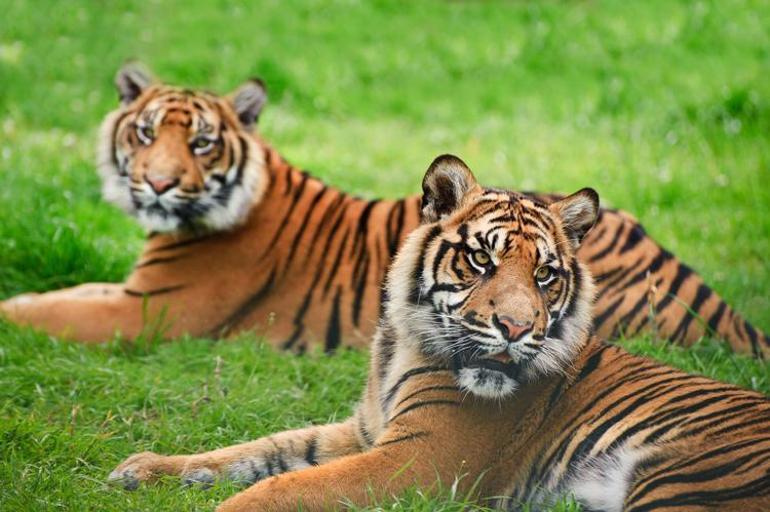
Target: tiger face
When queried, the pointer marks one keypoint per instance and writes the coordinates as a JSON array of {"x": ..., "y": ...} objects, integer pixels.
[
  {"x": 490, "y": 284},
  {"x": 179, "y": 159}
]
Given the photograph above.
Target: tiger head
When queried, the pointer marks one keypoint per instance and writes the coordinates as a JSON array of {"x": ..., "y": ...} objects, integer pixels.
[
  {"x": 489, "y": 283},
  {"x": 179, "y": 159}
]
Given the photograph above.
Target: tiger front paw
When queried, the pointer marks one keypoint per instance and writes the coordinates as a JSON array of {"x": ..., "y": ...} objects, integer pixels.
[
  {"x": 11, "y": 308},
  {"x": 140, "y": 467}
]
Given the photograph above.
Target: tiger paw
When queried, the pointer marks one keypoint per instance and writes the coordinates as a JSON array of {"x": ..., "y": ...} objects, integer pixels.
[
  {"x": 8, "y": 306},
  {"x": 140, "y": 467}
]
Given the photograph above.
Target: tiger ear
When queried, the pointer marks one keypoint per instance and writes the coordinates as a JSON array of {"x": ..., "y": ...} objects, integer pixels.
[
  {"x": 248, "y": 101},
  {"x": 445, "y": 185},
  {"x": 578, "y": 213},
  {"x": 131, "y": 80}
]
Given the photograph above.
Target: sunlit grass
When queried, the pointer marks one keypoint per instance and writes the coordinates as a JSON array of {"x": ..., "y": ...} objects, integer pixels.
[{"x": 662, "y": 106}]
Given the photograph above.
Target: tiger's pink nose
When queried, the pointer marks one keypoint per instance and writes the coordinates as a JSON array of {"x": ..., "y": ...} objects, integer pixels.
[
  {"x": 161, "y": 184},
  {"x": 512, "y": 329}
]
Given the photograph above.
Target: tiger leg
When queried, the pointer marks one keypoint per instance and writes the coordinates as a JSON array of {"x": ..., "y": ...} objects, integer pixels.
[
  {"x": 247, "y": 462},
  {"x": 643, "y": 288},
  {"x": 90, "y": 313},
  {"x": 359, "y": 479}
]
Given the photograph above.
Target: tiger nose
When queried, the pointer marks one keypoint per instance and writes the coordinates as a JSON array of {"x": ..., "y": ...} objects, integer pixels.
[
  {"x": 161, "y": 184},
  {"x": 513, "y": 329}
]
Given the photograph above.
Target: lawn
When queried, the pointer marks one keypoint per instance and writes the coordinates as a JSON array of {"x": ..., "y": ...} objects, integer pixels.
[{"x": 662, "y": 106}]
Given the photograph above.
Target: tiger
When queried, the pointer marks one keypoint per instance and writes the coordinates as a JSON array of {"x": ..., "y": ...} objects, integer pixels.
[
  {"x": 240, "y": 240},
  {"x": 486, "y": 374}
]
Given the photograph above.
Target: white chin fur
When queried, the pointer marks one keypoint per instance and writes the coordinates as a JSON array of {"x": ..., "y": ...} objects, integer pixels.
[
  {"x": 156, "y": 222},
  {"x": 486, "y": 383}
]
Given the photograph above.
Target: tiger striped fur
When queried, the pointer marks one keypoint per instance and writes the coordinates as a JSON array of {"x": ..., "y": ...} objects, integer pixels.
[
  {"x": 241, "y": 240},
  {"x": 484, "y": 372}
]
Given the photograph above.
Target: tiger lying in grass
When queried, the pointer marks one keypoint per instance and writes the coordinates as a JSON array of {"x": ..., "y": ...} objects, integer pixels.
[
  {"x": 485, "y": 369},
  {"x": 240, "y": 240}
]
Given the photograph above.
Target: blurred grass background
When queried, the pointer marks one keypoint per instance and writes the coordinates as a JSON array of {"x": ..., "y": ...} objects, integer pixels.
[{"x": 663, "y": 106}]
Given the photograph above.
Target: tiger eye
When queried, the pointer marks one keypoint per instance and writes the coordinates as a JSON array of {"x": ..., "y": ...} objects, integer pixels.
[
  {"x": 147, "y": 133},
  {"x": 543, "y": 273},
  {"x": 481, "y": 258},
  {"x": 201, "y": 143}
]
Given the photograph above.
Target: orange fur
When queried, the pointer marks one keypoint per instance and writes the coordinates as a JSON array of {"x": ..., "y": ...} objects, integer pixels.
[{"x": 304, "y": 264}]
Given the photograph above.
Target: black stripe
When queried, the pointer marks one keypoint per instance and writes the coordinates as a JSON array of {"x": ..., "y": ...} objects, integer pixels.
[
  {"x": 682, "y": 273},
  {"x": 416, "y": 278},
  {"x": 419, "y": 405},
  {"x": 156, "y": 261},
  {"x": 310, "y": 453},
  {"x": 113, "y": 156},
  {"x": 289, "y": 212},
  {"x": 425, "y": 390},
  {"x": 361, "y": 265},
  {"x": 607, "y": 313},
  {"x": 246, "y": 307},
  {"x": 610, "y": 284},
  {"x": 303, "y": 226},
  {"x": 752, "y": 338},
  {"x": 662, "y": 257},
  {"x": 336, "y": 264},
  {"x": 604, "y": 252},
  {"x": 331, "y": 209},
  {"x": 150, "y": 293},
  {"x": 406, "y": 376},
  {"x": 713, "y": 322},
  {"x": 365, "y": 435},
  {"x": 333, "y": 330},
  {"x": 395, "y": 236},
  {"x": 701, "y": 296},
  {"x": 635, "y": 235},
  {"x": 592, "y": 364},
  {"x": 401, "y": 439}
]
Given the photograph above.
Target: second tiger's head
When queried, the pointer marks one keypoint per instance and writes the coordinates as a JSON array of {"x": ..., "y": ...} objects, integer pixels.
[
  {"x": 490, "y": 283},
  {"x": 181, "y": 159}
]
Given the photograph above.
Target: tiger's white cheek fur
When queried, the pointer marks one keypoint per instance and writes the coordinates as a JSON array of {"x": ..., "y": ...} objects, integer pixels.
[
  {"x": 486, "y": 383},
  {"x": 242, "y": 198},
  {"x": 116, "y": 189}
]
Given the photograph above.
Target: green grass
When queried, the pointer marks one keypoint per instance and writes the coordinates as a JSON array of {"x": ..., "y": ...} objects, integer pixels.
[{"x": 662, "y": 106}]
